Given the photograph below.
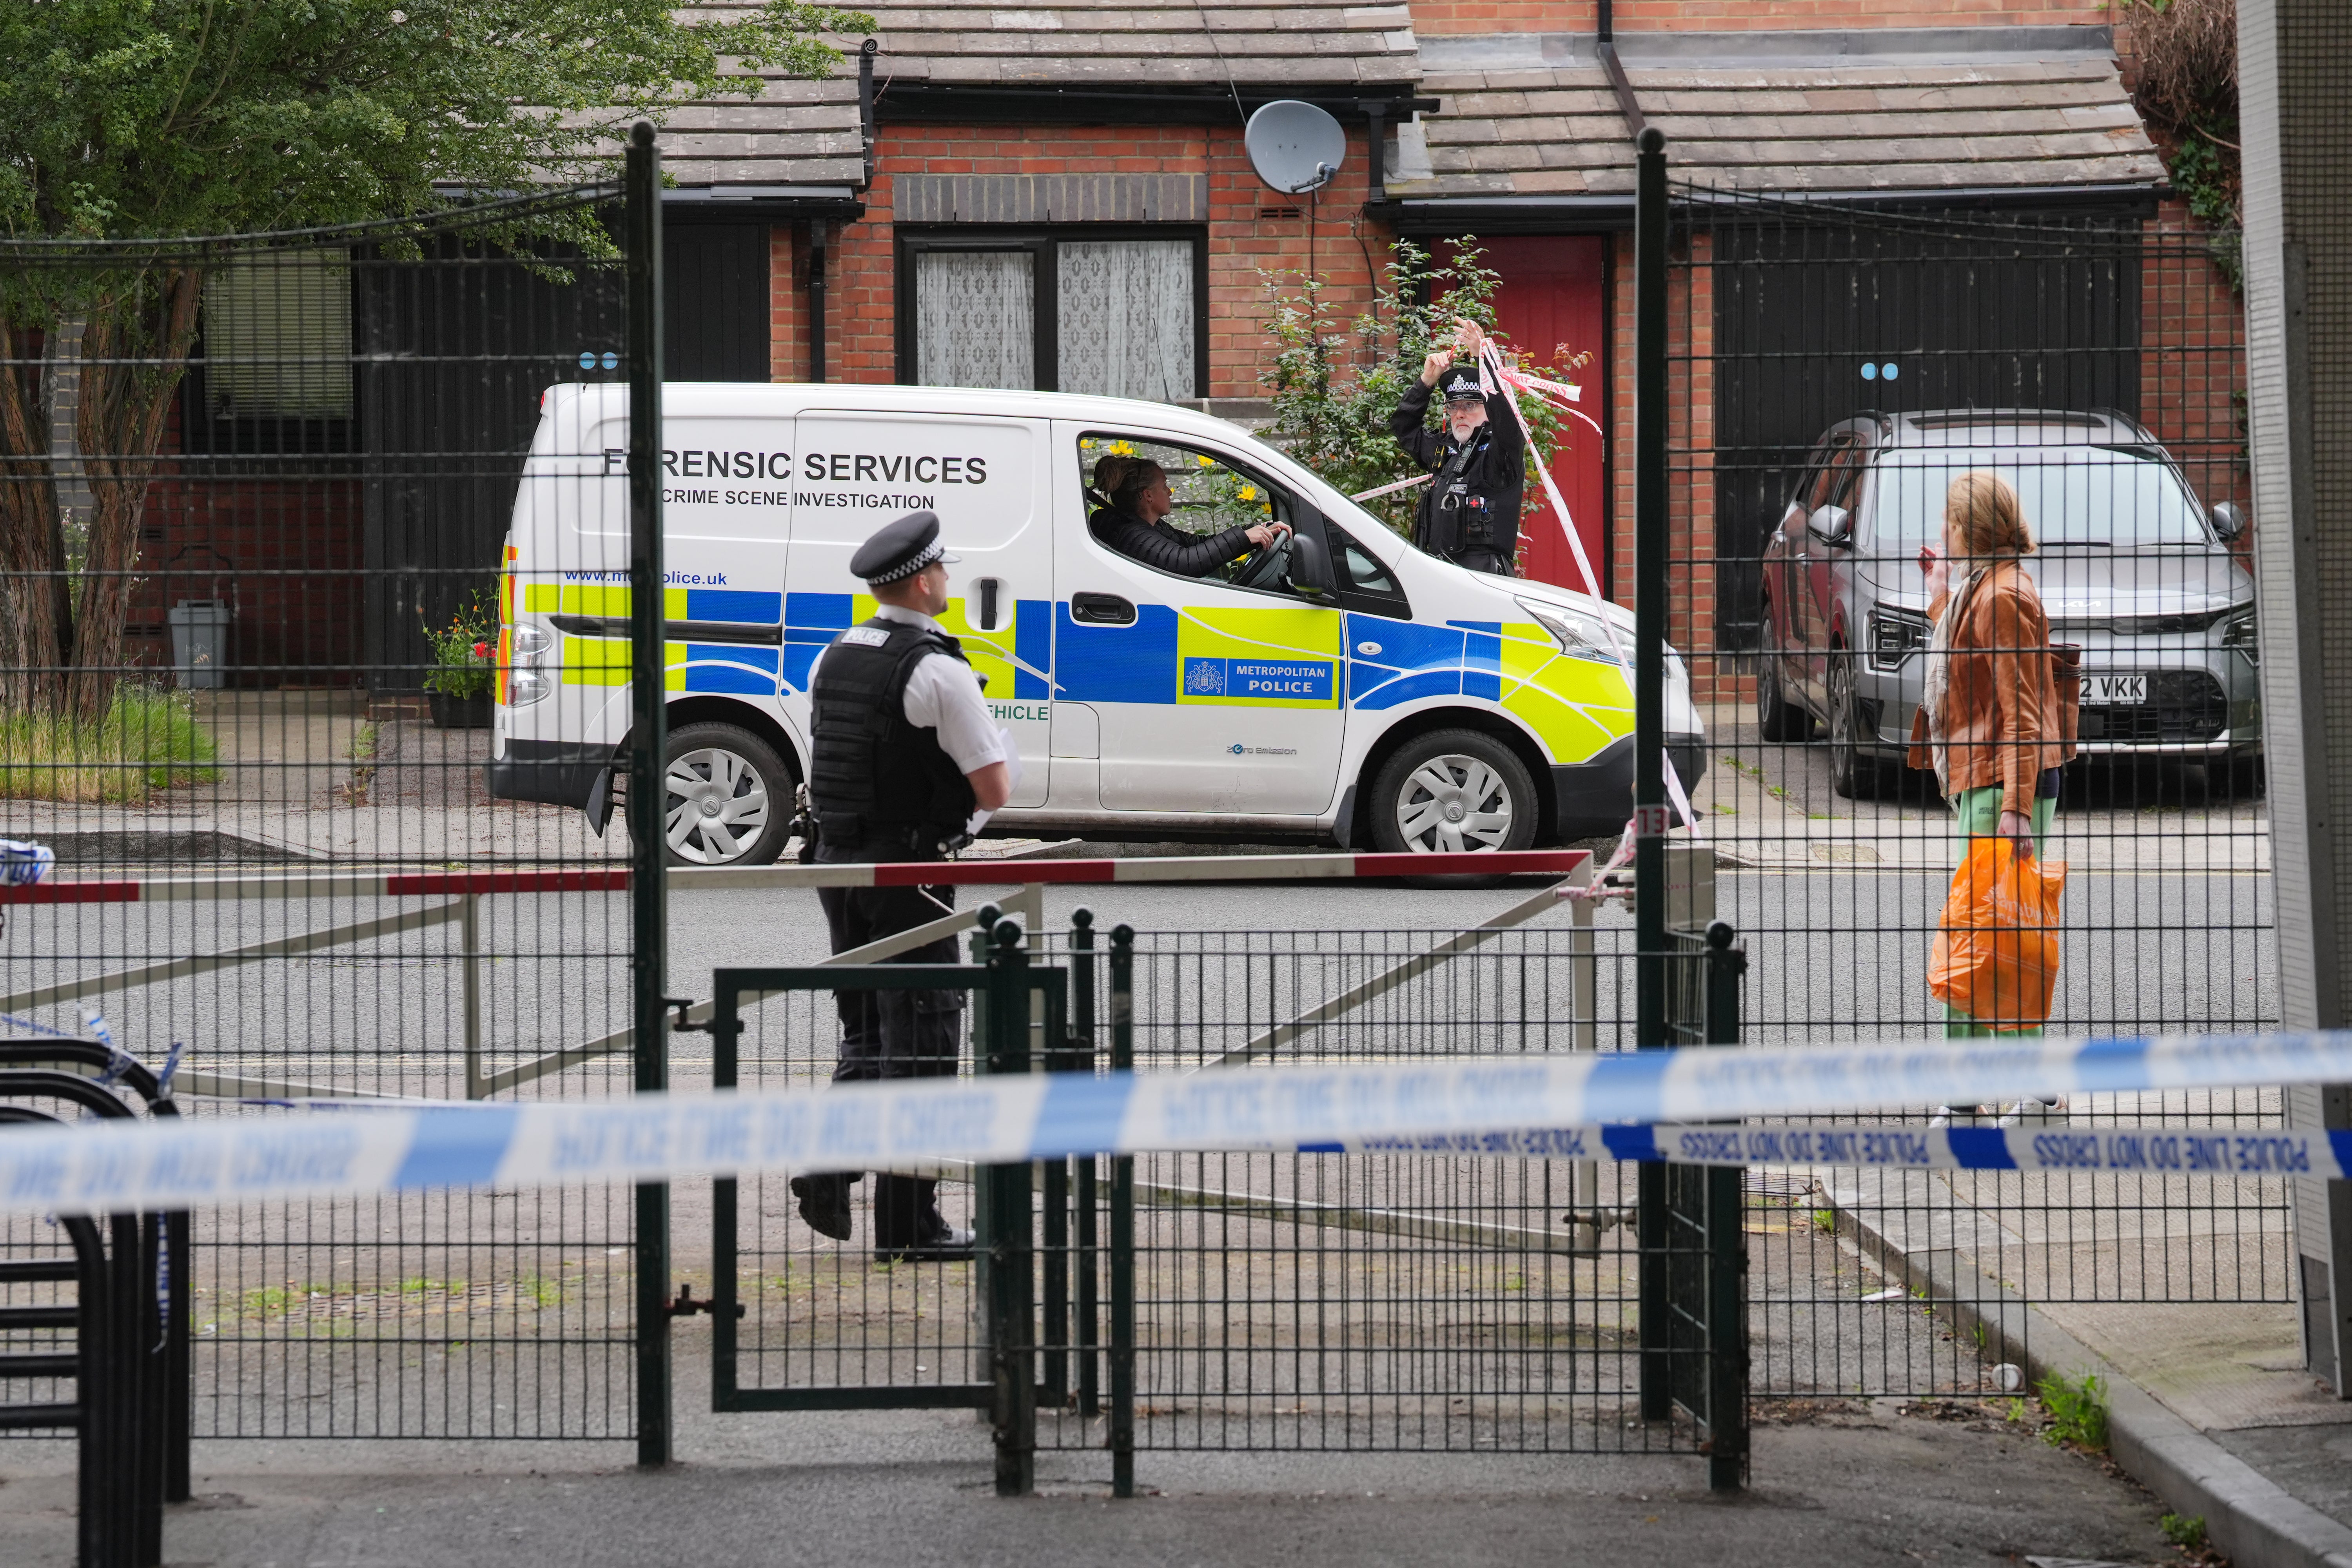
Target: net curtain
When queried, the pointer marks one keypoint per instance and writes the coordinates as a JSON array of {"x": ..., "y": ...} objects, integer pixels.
[
  {"x": 974, "y": 315},
  {"x": 1125, "y": 318}
]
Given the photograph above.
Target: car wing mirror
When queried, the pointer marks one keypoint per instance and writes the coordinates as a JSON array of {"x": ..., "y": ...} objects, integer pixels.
[
  {"x": 1831, "y": 524},
  {"x": 1310, "y": 565},
  {"x": 2229, "y": 521}
]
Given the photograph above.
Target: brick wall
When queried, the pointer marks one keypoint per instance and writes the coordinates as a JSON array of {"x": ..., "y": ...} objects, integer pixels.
[
  {"x": 1435, "y": 17},
  {"x": 2193, "y": 359},
  {"x": 1246, "y": 233}
]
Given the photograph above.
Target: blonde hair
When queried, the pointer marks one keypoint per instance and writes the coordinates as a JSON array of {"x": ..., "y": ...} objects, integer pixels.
[{"x": 1982, "y": 511}]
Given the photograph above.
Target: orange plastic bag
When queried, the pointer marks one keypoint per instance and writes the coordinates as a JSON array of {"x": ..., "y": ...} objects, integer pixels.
[{"x": 1996, "y": 956}]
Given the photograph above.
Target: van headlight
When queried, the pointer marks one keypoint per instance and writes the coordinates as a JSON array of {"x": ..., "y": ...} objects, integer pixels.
[
  {"x": 1579, "y": 635},
  {"x": 2240, "y": 633}
]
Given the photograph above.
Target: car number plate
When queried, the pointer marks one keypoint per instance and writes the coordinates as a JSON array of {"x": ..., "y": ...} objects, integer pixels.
[{"x": 2113, "y": 690}]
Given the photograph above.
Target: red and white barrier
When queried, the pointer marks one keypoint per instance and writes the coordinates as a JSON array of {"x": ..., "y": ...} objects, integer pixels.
[{"x": 920, "y": 873}]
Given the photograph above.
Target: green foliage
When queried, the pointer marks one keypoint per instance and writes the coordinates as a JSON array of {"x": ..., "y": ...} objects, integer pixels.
[
  {"x": 466, "y": 651},
  {"x": 149, "y": 739},
  {"x": 2206, "y": 179},
  {"x": 1334, "y": 383},
  {"x": 173, "y": 117},
  {"x": 2077, "y": 1411},
  {"x": 2187, "y": 1533}
]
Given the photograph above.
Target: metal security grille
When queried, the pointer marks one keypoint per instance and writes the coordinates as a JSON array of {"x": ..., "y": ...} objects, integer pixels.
[
  {"x": 1831, "y": 370},
  {"x": 254, "y": 502}
]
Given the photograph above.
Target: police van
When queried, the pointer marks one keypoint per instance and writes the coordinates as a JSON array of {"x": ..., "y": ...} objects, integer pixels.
[{"x": 1337, "y": 684}]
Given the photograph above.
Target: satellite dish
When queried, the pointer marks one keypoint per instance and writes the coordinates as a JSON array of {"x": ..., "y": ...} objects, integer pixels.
[{"x": 1295, "y": 147}]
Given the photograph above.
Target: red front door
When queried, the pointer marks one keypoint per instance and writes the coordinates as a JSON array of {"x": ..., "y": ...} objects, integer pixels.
[{"x": 1553, "y": 307}]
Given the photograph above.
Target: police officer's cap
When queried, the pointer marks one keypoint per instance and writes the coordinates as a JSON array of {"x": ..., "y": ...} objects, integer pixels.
[
  {"x": 899, "y": 549},
  {"x": 1461, "y": 385}
]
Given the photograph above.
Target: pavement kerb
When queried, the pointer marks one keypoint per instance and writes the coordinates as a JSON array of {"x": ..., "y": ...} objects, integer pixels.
[{"x": 2253, "y": 1519}]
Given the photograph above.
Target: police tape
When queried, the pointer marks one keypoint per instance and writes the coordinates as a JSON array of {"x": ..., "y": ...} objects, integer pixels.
[{"x": 1629, "y": 1105}]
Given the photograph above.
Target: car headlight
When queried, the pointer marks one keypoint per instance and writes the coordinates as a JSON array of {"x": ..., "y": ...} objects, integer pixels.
[
  {"x": 2240, "y": 633},
  {"x": 1896, "y": 636},
  {"x": 1579, "y": 635}
]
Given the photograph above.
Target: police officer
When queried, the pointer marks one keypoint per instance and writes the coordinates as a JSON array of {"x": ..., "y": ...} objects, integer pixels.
[
  {"x": 1470, "y": 513},
  {"x": 903, "y": 752}
]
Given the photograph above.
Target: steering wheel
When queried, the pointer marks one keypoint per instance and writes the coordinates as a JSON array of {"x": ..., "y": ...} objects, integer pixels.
[{"x": 1264, "y": 566}]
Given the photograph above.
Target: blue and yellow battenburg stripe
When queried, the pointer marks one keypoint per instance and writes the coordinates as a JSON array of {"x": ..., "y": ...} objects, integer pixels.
[{"x": 1279, "y": 656}]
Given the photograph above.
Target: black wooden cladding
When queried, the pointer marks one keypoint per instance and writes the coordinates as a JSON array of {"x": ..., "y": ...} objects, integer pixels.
[{"x": 1968, "y": 323}]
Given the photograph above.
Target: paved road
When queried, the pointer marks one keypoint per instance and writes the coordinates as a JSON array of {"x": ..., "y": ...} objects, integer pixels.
[{"x": 1861, "y": 1484}]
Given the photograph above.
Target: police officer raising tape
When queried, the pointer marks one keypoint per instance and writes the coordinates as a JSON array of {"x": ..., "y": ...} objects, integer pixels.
[
  {"x": 905, "y": 764},
  {"x": 1470, "y": 513}
]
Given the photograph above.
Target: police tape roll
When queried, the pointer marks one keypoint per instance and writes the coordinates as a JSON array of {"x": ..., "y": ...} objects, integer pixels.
[{"x": 1568, "y": 1105}]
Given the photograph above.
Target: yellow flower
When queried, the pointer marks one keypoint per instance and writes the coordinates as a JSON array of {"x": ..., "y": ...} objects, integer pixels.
[
  {"x": 1122, "y": 449},
  {"x": 1206, "y": 460},
  {"x": 1249, "y": 492}
]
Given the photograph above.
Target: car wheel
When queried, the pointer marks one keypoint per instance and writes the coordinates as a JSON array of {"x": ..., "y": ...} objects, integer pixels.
[
  {"x": 727, "y": 797},
  {"x": 1854, "y": 772},
  {"x": 1453, "y": 792},
  {"x": 1777, "y": 719}
]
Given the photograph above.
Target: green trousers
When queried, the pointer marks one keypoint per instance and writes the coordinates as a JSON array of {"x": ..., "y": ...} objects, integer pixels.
[{"x": 1977, "y": 814}]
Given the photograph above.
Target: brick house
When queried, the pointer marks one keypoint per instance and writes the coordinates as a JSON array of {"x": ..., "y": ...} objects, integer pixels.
[{"x": 1059, "y": 197}]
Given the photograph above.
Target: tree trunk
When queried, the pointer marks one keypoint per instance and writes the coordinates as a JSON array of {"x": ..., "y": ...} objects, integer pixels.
[
  {"x": 133, "y": 356},
  {"x": 32, "y": 645}
]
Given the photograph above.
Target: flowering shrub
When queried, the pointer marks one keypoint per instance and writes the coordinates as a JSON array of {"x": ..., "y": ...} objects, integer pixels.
[{"x": 466, "y": 651}]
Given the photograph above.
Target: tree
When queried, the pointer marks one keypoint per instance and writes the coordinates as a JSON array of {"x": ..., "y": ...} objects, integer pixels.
[
  {"x": 128, "y": 120},
  {"x": 1334, "y": 384},
  {"x": 2183, "y": 56}
]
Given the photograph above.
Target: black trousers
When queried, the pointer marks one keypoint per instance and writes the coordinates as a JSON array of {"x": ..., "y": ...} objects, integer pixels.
[{"x": 895, "y": 1034}]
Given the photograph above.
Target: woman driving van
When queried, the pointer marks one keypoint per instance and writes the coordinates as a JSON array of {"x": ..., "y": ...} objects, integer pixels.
[{"x": 1138, "y": 527}]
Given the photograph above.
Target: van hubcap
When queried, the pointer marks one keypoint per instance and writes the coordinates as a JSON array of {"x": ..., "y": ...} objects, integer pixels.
[
  {"x": 1453, "y": 804},
  {"x": 718, "y": 806}
]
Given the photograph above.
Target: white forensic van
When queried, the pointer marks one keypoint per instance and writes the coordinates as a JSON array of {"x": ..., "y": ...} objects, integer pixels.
[{"x": 1339, "y": 685}]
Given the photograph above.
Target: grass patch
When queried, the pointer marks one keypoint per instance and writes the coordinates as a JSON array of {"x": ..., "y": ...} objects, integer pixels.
[
  {"x": 2189, "y": 1535},
  {"x": 2078, "y": 1411},
  {"x": 149, "y": 739}
]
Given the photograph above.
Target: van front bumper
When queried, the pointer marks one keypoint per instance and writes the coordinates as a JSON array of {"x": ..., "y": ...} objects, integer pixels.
[
  {"x": 1595, "y": 799},
  {"x": 556, "y": 773}
]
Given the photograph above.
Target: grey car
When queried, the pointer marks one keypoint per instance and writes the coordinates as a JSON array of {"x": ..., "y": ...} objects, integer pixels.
[{"x": 2132, "y": 569}]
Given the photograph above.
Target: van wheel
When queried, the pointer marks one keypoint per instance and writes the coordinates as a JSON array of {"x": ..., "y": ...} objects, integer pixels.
[
  {"x": 727, "y": 797},
  {"x": 1451, "y": 792}
]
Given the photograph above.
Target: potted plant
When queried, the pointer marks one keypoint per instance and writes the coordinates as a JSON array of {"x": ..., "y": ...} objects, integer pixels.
[{"x": 465, "y": 662}]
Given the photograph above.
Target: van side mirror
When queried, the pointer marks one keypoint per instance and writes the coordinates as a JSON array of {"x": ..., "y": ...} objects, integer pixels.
[
  {"x": 2228, "y": 520},
  {"x": 1831, "y": 524},
  {"x": 1310, "y": 565}
]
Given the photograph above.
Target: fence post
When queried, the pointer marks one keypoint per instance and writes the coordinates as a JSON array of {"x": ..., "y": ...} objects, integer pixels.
[
  {"x": 1122, "y": 1228},
  {"x": 1649, "y": 544},
  {"x": 649, "y": 935},
  {"x": 1010, "y": 1290},
  {"x": 1084, "y": 1196},
  {"x": 1727, "y": 1235}
]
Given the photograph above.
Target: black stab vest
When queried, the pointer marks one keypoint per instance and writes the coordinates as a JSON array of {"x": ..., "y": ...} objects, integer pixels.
[{"x": 872, "y": 775}]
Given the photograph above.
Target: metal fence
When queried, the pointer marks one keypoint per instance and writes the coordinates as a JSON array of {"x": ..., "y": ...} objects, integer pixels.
[
  {"x": 1238, "y": 1300},
  {"x": 1829, "y": 370},
  {"x": 254, "y": 503}
]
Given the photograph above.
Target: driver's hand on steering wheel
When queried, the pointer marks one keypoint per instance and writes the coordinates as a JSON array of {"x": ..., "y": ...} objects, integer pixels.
[{"x": 1265, "y": 533}]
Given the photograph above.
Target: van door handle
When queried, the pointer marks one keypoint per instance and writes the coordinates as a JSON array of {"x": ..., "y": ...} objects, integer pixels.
[{"x": 1101, "y": 610}]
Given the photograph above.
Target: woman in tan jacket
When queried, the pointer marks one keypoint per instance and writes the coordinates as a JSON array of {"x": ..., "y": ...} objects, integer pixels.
[{"x": 1996, "y": 722}]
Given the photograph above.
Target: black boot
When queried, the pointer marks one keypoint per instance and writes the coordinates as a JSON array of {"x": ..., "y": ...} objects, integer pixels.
[
  {"x": 908, "y": 1226},
  {"x": 824, "y": 1201}
]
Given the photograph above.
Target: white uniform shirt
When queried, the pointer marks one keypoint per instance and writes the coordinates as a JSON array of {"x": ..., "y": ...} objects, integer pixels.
[{"x": 943, "y": 694}]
